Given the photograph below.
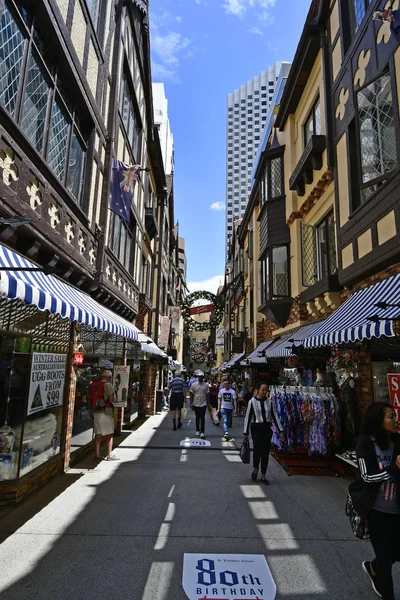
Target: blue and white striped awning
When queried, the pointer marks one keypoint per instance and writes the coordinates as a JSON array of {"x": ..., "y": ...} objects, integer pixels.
[
  {"x": 254, "y": 357},
  {"x": 148, "y": 346},
  {"x": 231, "y": 363},
  {"x": 350, "y": 321},
  {"x": 286, "y": 345},
  {"x": 50, "y": 293}
]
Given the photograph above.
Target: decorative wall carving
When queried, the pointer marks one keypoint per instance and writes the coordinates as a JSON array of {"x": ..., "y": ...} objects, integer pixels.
[
  {"x": 33, "y": 191},
  {"x": 363, "y": 61},
  {"x": 70, "y": 231},
  {"x": 10, "y": 169},
  {"x": 384, "y": 32},
  {"x": 341, "y": 107},
  {"x": 54, "y": 214}
]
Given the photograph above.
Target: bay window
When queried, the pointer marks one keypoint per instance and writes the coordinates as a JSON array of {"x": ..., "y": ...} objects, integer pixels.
[
  {"x": 272, "y": 185},
  {"x": 120, "y": 240},
  {"x": 274, "y": 274},
  {"x": 43, "y": 108},
  {"x": 130, "y": 118},
  {"x": 313, "y": 125}
]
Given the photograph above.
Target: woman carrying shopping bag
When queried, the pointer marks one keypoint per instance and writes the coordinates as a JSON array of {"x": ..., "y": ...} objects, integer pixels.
[
  {"x": 376, "y": 496},
  {"x": 259, "y": 415}
]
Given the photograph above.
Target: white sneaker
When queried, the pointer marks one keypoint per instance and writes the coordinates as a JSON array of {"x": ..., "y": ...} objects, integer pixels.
[
  {"x": 112, "y": 457},
  {"x": 197, "y": 433},
  {"x": 202, "y": 436}
]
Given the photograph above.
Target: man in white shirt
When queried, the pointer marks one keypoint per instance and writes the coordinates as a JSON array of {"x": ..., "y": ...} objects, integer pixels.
[
  {"x": 199, "y": 400},
  {"x": 227, "y": 403}
]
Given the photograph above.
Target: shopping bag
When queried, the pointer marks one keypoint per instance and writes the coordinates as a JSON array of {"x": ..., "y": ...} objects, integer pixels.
[
  {"x": 245, "y": 452},
  {"x": 214, "y": 416},
  {"x": 358, "y": 524},
  {"x": 184, "y": 413}
]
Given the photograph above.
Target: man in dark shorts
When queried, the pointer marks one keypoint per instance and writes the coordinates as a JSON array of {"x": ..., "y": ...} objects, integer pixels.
[{"x": 177, "y": 398}]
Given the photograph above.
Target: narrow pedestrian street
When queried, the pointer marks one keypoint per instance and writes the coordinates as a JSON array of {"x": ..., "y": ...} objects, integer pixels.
[{"x": 120, "y": 530}]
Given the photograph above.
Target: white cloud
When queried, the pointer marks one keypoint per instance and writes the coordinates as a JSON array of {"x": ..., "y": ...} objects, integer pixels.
[
  {"x": 209, "y": 285},
  {"x": 240, "y": 7},
  {"x": 168, "y": 47},
  {"x": 217, "y": 206},
  {"x": 255, "y": 30}
]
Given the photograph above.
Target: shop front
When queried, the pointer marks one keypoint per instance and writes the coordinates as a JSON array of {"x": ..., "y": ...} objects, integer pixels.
[{"x": 41, "y": 323}]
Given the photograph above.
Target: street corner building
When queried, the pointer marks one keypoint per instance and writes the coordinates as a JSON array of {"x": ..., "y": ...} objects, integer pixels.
[
  {"x": 313, "y": 271},
  {"x": 79, "y": 249}
]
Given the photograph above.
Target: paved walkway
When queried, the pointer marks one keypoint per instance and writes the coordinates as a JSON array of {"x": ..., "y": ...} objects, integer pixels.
[{"x": 119, "y": 530}]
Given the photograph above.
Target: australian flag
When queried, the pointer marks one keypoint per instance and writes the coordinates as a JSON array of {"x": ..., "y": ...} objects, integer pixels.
[{"x": 123, "y": 179}]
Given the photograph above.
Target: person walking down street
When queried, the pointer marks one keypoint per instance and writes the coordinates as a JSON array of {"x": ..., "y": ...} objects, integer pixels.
[
  {"x": 213, "y": 402},
  {"x": 165, "y": 399},
  {"x": 199, "y": 399},
  {"x": 260, "y": 413},
  {"x": 377, "y": 497},
  {"x": 101, "y": 394},
  {"x": 227, "y": 403},
  {"x": 177, "y": 387}
]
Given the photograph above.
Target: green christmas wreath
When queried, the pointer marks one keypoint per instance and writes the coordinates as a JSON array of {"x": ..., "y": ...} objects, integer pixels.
[{"x": 190, "y": 323}]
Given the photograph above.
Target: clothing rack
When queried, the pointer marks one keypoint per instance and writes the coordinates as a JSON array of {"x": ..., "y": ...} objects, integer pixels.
[{"x": 309, "y": 416}]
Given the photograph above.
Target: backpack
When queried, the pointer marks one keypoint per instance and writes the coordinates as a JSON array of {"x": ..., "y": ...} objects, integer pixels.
[{"x": 96, "y": 395}]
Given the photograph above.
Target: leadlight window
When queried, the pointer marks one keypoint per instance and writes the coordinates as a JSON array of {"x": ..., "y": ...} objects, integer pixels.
[
  {"x": 377, "y": 135},
  {"x": 312, "y": 125},
  {"x": 130, "y": 118},
  {"x": 273, "y": 179},
  {"x": 94, "y": 11},
  {"x": 318, "y": 250},
  {"x": 274, "y": 274},
  {"x": 358, "y": 9},
  {"x": 47, "y": 116},
  {"x": 12, "y": 44},
  {"x": 120, "y": 240}
]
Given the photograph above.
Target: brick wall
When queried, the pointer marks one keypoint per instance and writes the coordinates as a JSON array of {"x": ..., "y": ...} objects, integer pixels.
[
  {"x": 14, "y": 492},
  {"x": 388, "y": 272}
]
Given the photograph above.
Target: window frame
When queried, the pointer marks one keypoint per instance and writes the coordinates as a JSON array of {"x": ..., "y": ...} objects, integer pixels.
[
  {"x": 114, "y": 237},
  {"x": 32, "y": 30},
  {"x": 266, "y": 274},
  {"x": 315, "y": 231},
  {"x": 357, "y": 160},
  {"x": 266, "y": 186},
  {"x": 312, "y": 116}
]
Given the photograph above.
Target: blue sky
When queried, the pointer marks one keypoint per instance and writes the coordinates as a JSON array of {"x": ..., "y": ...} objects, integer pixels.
[{"x": 202, "y": 50}]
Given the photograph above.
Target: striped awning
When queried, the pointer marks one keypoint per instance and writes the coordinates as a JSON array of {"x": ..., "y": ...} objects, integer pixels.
[
  {"x": 350, "y": 322},
  {"x": 254, "y": 357},
  {"x": 148, "y": 346},
  {"x": 286, "y": 345},
  {"x": 47, "y": 292},
  {"x": 234, "y": 359}
]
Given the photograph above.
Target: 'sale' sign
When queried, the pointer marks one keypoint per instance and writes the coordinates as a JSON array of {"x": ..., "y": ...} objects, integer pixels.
[{"x": 394, "y": 392}]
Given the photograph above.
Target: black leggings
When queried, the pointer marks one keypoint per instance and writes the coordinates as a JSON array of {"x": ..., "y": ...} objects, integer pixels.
[
  {"x": 384, "y": 531},
  {"x": 200, "y": 417},
  {"x": 262, "y": 436}
]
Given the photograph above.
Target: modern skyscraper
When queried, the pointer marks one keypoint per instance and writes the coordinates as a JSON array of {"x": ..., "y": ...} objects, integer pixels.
[{"x": 246, "y": 114}]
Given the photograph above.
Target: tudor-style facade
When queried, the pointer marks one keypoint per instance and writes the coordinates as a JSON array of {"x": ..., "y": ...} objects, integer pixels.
[
  {"x": 75, "y": 92},
  {"x": 365, "y": 90}
]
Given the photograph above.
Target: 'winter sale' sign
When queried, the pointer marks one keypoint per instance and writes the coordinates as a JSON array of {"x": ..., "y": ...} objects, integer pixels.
[
  {"x": 227, "y": 577},
  {"x": 394, "y": 391}
]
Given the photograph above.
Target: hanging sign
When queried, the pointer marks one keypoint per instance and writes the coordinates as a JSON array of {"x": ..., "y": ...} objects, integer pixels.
[
  {"x": 394, "y": 391},
  {"x": 219, "y": 339},
  {"x": 121, "y": 385},
  {"x": 46, "y": 386},
  {"x": 79, "y": 357},
  {"x": 227, "y": 577}
]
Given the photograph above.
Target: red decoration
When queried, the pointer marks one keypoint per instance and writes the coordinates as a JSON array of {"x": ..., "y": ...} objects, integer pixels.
[{"x": 79, "y": 358}]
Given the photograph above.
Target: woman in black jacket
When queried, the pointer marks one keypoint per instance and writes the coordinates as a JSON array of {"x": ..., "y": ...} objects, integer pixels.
[
  {"x": 259, "y": 416},
  {"x": 377, "y": 497}
]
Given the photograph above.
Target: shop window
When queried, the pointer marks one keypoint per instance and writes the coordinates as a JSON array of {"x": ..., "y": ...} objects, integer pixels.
[
  {"x": 318, "y": 250},
  {"x": 130, "y": 118},
  {"x": 377, "y": 136},
  {"x": 313, "y": 126},
  {"x": 62, "y": 143}
]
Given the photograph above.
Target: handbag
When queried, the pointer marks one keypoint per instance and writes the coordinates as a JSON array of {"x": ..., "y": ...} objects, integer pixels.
[
  {"x": 359, "y": 525},
  {"x": 245, "y": 452},
  {"x": 184, "y": 412}
]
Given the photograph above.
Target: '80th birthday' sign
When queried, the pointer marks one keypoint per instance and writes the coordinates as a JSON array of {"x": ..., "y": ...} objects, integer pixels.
[{"x": 227, "y": 577}]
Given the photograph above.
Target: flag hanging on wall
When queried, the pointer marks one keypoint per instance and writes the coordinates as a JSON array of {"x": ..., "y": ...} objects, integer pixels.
[{"x": 123, "y": 179}]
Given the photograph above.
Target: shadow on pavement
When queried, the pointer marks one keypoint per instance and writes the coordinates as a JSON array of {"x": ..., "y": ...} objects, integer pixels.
[{"x": 121, "y": 529}]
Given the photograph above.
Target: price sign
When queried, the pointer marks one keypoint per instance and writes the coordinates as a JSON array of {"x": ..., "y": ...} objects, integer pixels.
[{"x": 46, "y": 387}]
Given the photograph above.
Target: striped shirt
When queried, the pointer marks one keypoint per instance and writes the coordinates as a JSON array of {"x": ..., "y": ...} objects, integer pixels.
[
  {"x": 177, "y": 385},
  {"x": 261, "y": 411}
]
